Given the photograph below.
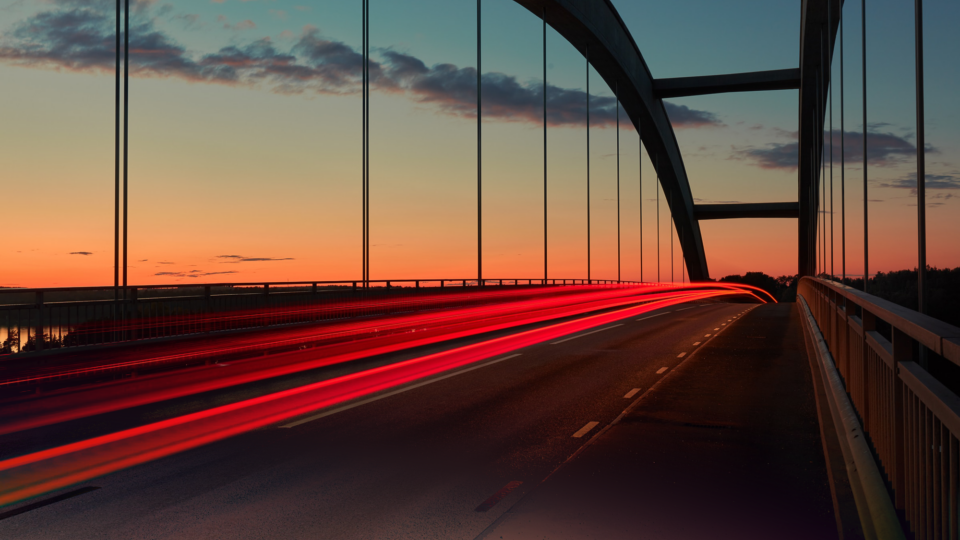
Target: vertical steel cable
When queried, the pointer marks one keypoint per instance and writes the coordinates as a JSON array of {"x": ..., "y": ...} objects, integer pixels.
[
  {"x": 587, "y": 58},
  {"x": 672, "y": 232},
  {"x": 921, "y": 166},
  {"x": 617, "y": 90},
  {"x": 366, "y": 203},
  {"x": 479, "y": 156},
  {"x": 116, "y": 180},
  {"x": 843, "y": 173},
  {"x": 545, "y": 226},
  {"x": 363, "y": 128},
  {"x": 657, "y": 167},
  {"x": 126, "y": 110},
  {"x": 866, "y": 229},
  {"x": 640, "y": 187},
  {"x": 830, "y": 88}
]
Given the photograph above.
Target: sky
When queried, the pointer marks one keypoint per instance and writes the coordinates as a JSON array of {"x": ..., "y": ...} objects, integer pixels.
[{"x": 245, "y": 141}]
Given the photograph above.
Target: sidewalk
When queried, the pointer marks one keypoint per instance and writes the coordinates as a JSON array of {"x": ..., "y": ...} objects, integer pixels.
[{"x": 727, "y": 446}]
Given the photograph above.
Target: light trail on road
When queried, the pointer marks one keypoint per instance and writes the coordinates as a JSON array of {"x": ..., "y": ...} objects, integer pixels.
[{"x": 41, "y": 472}]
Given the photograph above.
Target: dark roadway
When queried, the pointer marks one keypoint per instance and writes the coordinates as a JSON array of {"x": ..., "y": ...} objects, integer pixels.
[{"x": 728, "y": 446}]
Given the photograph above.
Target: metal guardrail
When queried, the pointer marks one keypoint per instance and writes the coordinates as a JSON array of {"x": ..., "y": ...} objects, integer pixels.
[
  {"x": 34, "y": 320},
  {"x": 912, "y": 419}
]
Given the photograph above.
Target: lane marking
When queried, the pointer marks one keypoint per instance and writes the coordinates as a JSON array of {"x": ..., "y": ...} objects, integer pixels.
[
  {"x": 652, "y": 316},
  {"x": 661, "y": 370},
  {"x": 585, "y": 429},
  {"x": 715, "y": 329},
  {"x": 723, "y": 324},
  {"x": 691, "y": 307},
  {"x": 697, "y": 343},
  {"x": 496, "y": 497},
  {"x": 395, "y": 392},
  {"x": 617, "y": 420},
  {"x": 681, "y": 355},
  {"x": 586, "y": 334},
  {"x": 706, "y": 335},
  {"x": 631, "y": 393}
]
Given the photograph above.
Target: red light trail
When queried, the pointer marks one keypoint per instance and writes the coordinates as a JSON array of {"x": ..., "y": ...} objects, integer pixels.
[{"x": 41, "y": 472}]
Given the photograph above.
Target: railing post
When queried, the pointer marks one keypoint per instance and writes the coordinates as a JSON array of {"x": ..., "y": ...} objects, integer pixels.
[
  {"x": 869, "y": 325},
  {"x": 314, "y": 288},
  {"x": 354, "y": 286},
  {"x": 850, "y": 309},
  {"x": 903, "y": 351},
  {"x": 38, "y": 333},
  {"x": 133, "y": 312},
  {"x": 418, "y": 283},
  {"x": 266, "y": 304}
]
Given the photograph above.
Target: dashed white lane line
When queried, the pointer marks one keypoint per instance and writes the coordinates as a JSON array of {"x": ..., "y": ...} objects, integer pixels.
[
  {"x": 697, "y": 343},
  {"x": 395, "y": 392},
  {"x": 584, "y": 334},
  {"x": 691, "y": 307},
  {"x": 652, "y": 316},
  {"x": 707, "y": 335},
  {"x": 661, "y": 370},
  {"x": 631, "y": 393},
  {"x": 715, "y": 329},
  {"x": 585, "y": 429},
  {"x": 681, "y": 355}
]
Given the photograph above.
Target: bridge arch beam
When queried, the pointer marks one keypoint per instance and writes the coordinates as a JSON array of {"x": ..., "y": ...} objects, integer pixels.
[{"x": 614, "y": 54}]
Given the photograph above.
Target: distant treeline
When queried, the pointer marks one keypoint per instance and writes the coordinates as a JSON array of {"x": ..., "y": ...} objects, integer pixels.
[{"x": 899, "y": 287}]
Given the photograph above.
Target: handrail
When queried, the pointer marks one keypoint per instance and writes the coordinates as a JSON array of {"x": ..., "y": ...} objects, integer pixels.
[
  {"x": 911, "y": 418},
  {"x": 530, "y": 281},
  {"x": 931, "y": 332}
]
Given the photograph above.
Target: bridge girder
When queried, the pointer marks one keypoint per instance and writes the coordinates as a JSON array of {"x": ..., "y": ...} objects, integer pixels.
[
  {"x": 596, "y": 25},
  {"x": 747, "y": 210},
  {"x": 754, "y": 81}
]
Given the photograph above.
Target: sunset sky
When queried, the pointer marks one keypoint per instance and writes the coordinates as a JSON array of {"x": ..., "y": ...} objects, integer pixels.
[{"x": 245, "y": 140}]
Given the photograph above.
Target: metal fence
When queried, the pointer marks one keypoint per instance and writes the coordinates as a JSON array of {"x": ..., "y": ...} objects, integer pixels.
[
  {"x": 34, "y": 320},
  {"x": 911, "y": 418}
]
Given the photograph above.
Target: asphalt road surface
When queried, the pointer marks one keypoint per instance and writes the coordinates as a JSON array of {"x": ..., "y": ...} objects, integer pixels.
[{"x": 441, "y": 460}]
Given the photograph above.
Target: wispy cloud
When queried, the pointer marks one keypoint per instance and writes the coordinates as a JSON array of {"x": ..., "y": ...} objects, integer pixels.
[
  {"x": 883, "y": 149},
  {"x": 77, "y": 35},
  {"x": 193, "y": 274},
  {"x": 241, "y": 258},
  {"x": 81, "y": 253},
  {"x": 933, "y": 182}
]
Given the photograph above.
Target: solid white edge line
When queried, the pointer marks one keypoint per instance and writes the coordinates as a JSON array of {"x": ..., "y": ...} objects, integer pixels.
[
  {"x": 585, "y": 429},
  {"x": 395, "y": 392},
  {"x": 585, "y": 334}
]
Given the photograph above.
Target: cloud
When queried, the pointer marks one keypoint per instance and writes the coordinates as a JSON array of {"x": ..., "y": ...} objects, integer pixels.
[
  {"x": 933, "y": 181},
  {"x": 682, "y": 116},
  {"x": 76, "y": 36},
  {"x": 81, "y": 253},
  {"x": 883, "y": 149},
  {"x": 193, "y": 274},
  {"x": 241, "y": 258}
]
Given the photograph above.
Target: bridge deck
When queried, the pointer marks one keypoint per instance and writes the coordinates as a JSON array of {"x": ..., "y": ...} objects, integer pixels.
[{"x": 729, "y": 446}]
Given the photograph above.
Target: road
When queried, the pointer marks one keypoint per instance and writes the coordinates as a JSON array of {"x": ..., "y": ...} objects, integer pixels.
[{"x": 439, "y": 460}]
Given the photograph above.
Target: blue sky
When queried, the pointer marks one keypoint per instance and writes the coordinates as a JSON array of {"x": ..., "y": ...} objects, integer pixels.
[{"x": 251, "y": 108}]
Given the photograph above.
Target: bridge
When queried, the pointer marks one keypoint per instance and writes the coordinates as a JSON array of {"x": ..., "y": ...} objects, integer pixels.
[{"x": 559, "y": 403}]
